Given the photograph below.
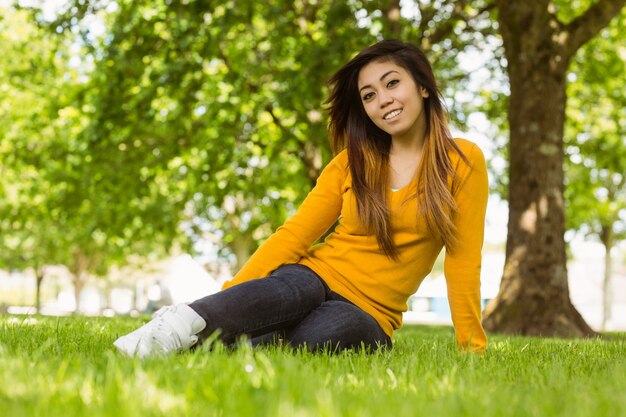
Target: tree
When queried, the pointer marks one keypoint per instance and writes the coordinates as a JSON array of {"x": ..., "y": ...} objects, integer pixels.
[
  {"x": 33, "y": 116},
  {"x": 51, "y": 211},
  {"x": 534, "y": 295},
  {"x": 213, "y": 115}
]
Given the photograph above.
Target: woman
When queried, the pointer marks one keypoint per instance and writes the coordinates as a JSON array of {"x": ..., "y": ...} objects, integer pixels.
[{"x": 401, "y": 188}]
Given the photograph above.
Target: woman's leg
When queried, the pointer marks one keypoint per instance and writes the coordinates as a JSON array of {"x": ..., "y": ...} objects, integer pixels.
[
  {"x": 337, "y": 325},
  {"x": 293, "y": 301},
  {"x": 252, "y": 308},
  {"x": 261, "y": 306}
]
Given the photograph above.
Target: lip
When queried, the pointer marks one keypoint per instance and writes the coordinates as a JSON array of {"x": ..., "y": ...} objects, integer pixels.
[{"x": 399, "y": 110}]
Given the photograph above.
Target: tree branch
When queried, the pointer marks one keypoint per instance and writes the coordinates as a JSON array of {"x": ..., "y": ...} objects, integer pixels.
[
  {"x": 444, "y": 29},
  {"x": 587, "y": 25},
  {"x": 306, "y": 153}
]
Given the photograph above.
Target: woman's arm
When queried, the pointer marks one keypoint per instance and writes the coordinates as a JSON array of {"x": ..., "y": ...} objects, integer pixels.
[
  {"x": 462, "y": 263},
  {"x": 316, "y": 214}
]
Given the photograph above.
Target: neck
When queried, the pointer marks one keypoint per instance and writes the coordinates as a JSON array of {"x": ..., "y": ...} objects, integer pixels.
[
  {"x": 410, "y": 142},
  {"x": 407, "y": 144}
]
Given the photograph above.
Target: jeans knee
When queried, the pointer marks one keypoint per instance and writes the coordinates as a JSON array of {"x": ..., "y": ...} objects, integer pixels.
[
  {"x": 338, "y": 325},
  {"x": 302, "y": 283}
]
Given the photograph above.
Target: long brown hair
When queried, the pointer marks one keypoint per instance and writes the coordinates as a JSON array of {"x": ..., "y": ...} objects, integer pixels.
[{"x": 368, "y": 146}]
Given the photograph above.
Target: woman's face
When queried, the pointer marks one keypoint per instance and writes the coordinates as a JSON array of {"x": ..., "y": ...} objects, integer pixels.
[{"x": 392, "y": 99}]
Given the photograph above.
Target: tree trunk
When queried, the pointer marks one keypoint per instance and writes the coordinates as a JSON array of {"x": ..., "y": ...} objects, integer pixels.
[
  {"x": 39, "y": 276},
  {"x": 392, "y": 23},
  {"x": 242, "y": 246},
  {"x": 78, "y": 270},
  {"x": 534, "y": 294},
  {"x": 607, "y": 299},
  {"x": 79, "y": 284}
]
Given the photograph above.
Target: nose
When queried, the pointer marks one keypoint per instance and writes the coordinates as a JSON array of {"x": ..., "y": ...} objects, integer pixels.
[{"x": 385, "y": 99}]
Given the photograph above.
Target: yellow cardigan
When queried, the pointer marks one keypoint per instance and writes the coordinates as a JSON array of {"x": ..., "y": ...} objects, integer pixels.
[{"x": 352, "y": 265}]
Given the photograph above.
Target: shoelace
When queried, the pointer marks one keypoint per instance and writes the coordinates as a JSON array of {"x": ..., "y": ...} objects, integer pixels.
[{"x": 165, "y": 337}]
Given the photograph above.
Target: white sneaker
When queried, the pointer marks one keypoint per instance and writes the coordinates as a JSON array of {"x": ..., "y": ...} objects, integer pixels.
[{"x": 172, "y": 329}]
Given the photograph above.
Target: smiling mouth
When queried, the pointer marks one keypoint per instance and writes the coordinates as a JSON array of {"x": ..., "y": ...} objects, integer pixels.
[{"x": 392, "y": 114}]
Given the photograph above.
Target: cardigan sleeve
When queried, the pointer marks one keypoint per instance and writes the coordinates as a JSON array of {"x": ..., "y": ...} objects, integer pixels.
[
  {"x": 463, "y": 262},
  {"x": 319, "y": 210}
]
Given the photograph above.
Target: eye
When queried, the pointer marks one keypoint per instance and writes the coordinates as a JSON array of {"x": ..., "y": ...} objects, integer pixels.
[
  {"x": 368, "y": 96},
  {"x": 392, "y": 83}
]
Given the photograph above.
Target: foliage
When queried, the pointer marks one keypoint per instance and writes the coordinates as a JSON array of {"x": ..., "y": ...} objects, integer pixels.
[
  {"x": 201, "y": 120},
  {"x": 33, "y": 95},
  {"x": 51, "y": 213},
  {"x": 595, "y": 136}
]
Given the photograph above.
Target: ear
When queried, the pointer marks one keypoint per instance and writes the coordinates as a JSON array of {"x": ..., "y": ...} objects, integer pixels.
[{"x": 423, "y": 92}]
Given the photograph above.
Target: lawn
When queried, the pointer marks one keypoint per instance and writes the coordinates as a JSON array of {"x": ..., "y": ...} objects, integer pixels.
[{"x": 67, "y": 367}]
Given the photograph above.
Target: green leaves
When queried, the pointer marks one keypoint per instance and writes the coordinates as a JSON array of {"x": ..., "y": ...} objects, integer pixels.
[
  {"x": 156, "y": 124},
  {"x": 595, "y": 132}
]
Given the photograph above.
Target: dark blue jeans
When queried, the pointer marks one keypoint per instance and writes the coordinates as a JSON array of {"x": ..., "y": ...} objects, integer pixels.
[{"x": 293, "y": 304}]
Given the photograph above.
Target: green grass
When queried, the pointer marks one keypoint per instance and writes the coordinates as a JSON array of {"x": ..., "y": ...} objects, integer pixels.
[{"x": 67, "y": 367}]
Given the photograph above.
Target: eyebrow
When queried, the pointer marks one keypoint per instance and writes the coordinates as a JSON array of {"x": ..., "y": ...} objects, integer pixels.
[{"x": 380, "y": 79}]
